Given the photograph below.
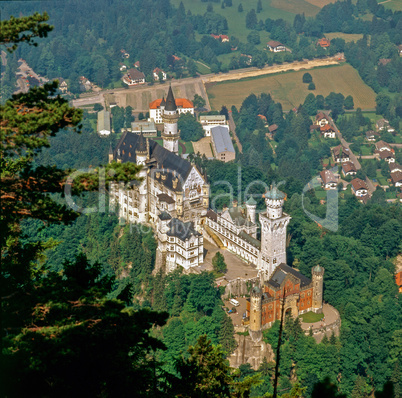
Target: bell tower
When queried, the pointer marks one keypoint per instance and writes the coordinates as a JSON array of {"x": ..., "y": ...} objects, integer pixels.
[
  {"x": 273, "y": 233},
  {"x": 170, "y": 116}
]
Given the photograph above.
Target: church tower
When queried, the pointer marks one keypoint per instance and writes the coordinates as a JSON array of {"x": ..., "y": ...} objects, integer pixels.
[
  {"x": 318, "y": 283},
  {"x": 141, "y": 154},
  {"x": 273, "y": 233},
  {"x": 170, "y": 116},
  {"x": 255, "y": 314}
]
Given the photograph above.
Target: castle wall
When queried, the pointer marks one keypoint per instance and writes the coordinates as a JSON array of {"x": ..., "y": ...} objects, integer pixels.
[{"x": 239, "y": 287}]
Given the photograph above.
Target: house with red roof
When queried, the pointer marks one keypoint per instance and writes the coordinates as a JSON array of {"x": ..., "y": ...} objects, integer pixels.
[
  {"x": 327, "y": 131},
  {"x": 156, "y": 108},
  {"x": 134, "y": 77},
  {"x": 324, "y": 42},
  {"x": 156, "y": 73},
  {"x": 275, "y": 46}
]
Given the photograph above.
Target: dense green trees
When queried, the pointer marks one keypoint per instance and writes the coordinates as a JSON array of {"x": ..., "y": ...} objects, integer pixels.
[
  {"x": 218, "y": 262},
  {"x": 190, "y": 128}
]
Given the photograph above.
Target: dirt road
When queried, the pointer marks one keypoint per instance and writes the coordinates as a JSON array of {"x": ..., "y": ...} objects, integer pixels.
[
  {"x": 252, "y": 72},
  {"x": 139, "y": 97}
]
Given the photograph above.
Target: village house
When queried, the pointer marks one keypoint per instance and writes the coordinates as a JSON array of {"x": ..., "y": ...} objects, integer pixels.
[
  {"x": 156, "y": 73},
  {"x": 222, "y": 38},
  {"x": 222, "y": 144},
  {"x": 323, "y": 42},
  {"x": 137, "y": 64},
  {"x": 328, "y": 179},
  {"x": 248, "y": 59},
  {"x": 396, "y": 178},
  {"x": 341, "y": 154},
  {"x": 275, "y": 46},
  {"x": 388, "y": 156},
  {"x": 348, "y": 169},
  {"x": 85, "y": 84},
  {"x": 359, "y": 187},
  {"x": 272, "y": 129},
  {"x": 370, "y": 135},
  {"x": 382, "y": 146},
  {"x": 124, "y": 54},
  {"x": 321, "y": 119},
  {"x": 156, "y": 108},
  {"x": 134, "y": 77},
  {"x": 394, "y": 167},
  {"x": 63, "y": 87},
  {"x": 264, "y": 119},
  {"x": 327, "y": 131},
  {"x": 383, "y": 124}
]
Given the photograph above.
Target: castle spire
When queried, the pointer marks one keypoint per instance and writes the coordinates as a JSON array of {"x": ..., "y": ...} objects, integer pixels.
[
  {"x": 170, "y": 102},
  {"x": 142, "y": 145}
]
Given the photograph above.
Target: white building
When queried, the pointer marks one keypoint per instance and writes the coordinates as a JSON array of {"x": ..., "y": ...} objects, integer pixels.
[
  {"x": 179, "y": 242},
  {"x": 156, "y": 108},
  {"x": 156, "y": 72},
  {"x": 134, "y": 77},
  {"x": 275, "y": 46},
  {"x": 237, "y": 230},
  {"x": 328, "y": 179},
  {"x": 359, "y": 187},
  {"x": 210, "y": 121}
]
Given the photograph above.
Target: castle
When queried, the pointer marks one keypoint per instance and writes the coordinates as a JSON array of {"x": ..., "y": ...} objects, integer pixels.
[
  {"x": 237, "y": 229},
  {"x": 173, "y": 198},
  {"x": 286, "y": 288}
]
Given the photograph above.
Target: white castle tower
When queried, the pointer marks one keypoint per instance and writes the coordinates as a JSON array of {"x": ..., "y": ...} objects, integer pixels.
[
  {"x": 273, "y": 233},
  {"x": 170, "y": 116}
]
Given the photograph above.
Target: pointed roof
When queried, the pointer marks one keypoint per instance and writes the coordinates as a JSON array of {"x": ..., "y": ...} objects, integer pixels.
[
  {"x": 163, "y": 103},
  {"x": 142, "y": 145},
  {"x": 251, "y": 201},
  {"x": 170, "y": 102}
]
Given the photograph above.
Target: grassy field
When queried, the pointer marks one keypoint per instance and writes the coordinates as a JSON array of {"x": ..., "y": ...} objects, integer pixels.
[
  {"x": 394, "y": 5},
  {"x": 348, "y": 37},
  {"x": 311, "y": 317},
  {"x": 320, "y": 3},
  {"x": 288, "y": 88},
  {"x": 274, "y": 9}
]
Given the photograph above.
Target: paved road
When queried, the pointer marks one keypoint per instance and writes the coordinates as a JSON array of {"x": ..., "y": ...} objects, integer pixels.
[
  {"x": 396, "y": 145},
  {"x": 232, "y": 127}
]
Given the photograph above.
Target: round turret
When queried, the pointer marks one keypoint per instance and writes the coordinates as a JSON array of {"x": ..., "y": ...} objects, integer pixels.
[
  {"x": 251, "y": 205},
  {"x": 318, "y": 286},
  {"x": 141, "y": 150},
  {"x": 255, "y": 314},
  {"x": 274, "y": 200}
]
